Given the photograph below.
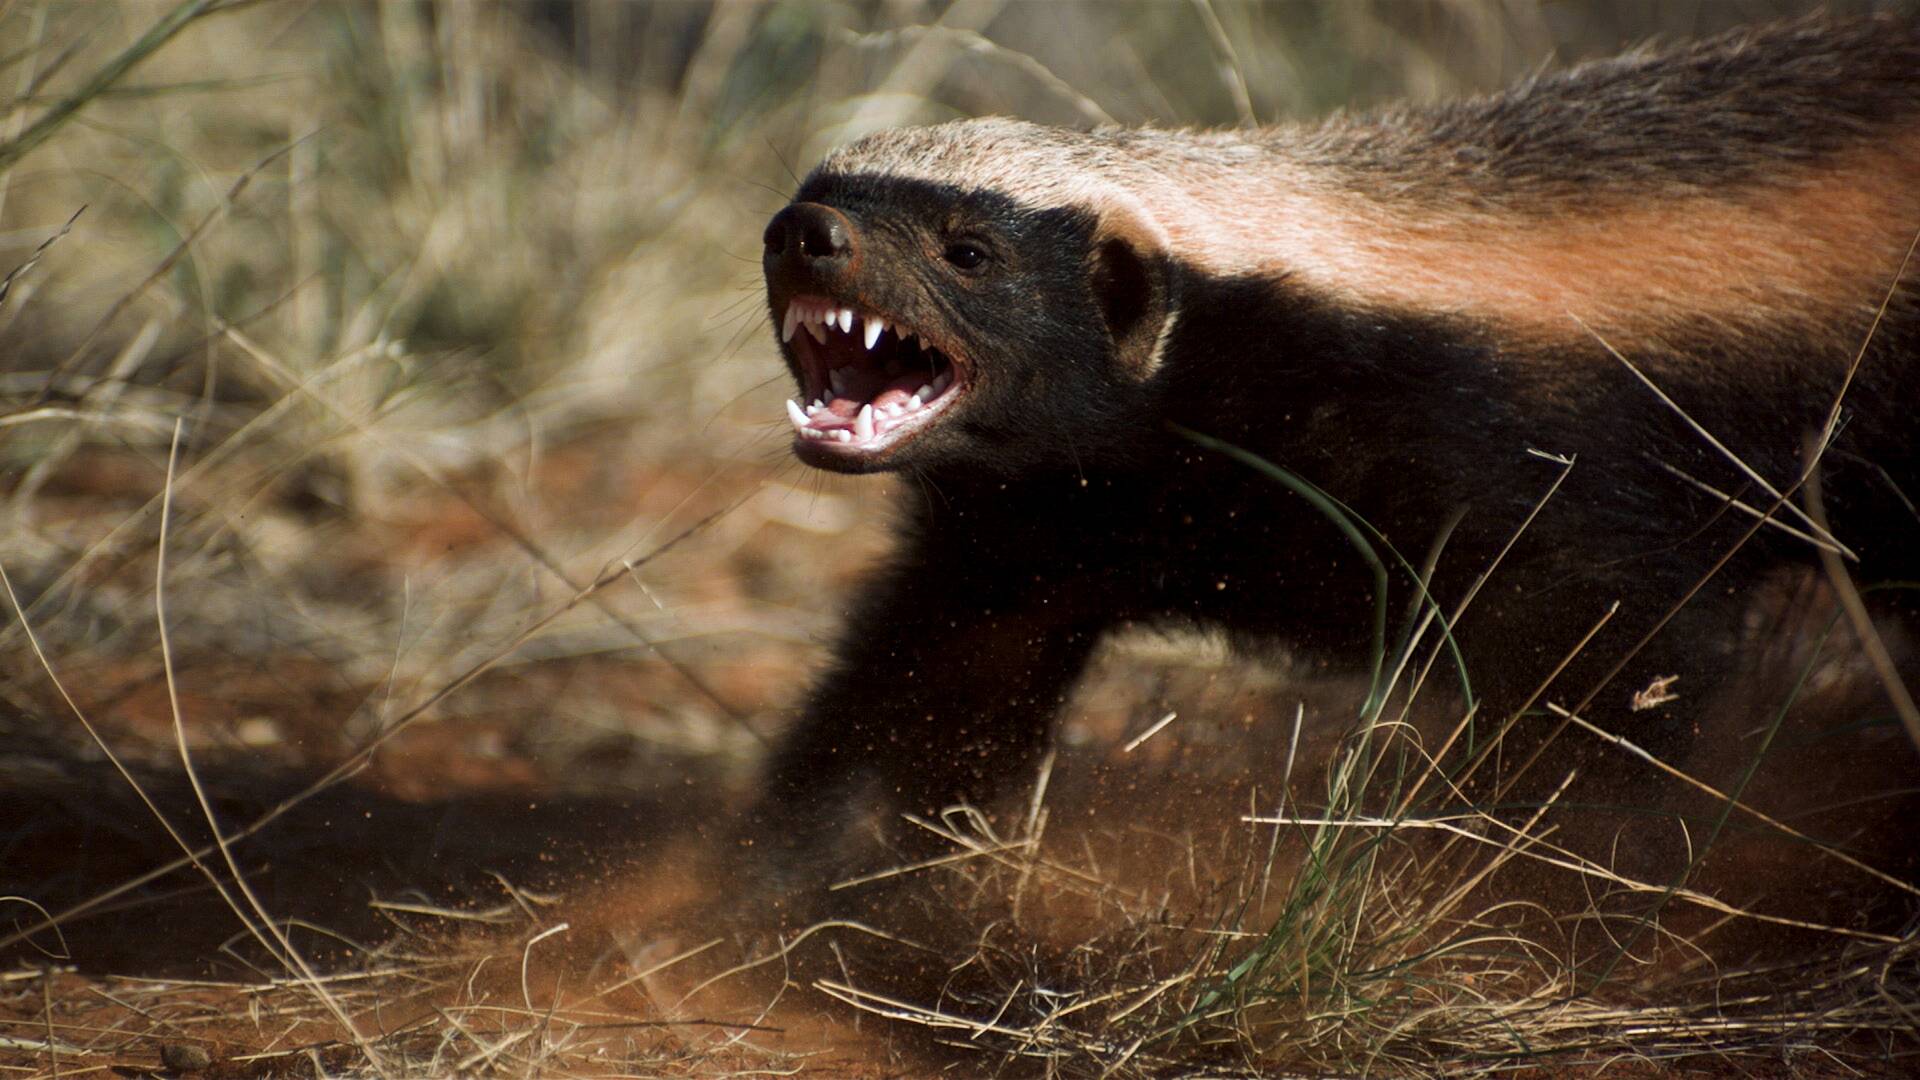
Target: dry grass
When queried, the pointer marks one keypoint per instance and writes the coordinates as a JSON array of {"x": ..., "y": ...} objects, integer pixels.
[{"x": 396, "y": 509}]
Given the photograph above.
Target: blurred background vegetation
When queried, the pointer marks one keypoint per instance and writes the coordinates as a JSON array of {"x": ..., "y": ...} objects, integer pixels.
[{"x": 457, "y": 305}]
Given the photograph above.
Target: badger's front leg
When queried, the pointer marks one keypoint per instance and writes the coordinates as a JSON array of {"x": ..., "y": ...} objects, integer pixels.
[{"x": 942, "y": 690}]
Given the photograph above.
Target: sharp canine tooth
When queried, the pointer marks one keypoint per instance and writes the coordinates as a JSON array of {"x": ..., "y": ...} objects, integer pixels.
[
  {"x": 792, "y": 320},
  {"x": 793, "y": 413},
  {"x": 863, "y": 424},
  {"x": 874, "y": 326}
]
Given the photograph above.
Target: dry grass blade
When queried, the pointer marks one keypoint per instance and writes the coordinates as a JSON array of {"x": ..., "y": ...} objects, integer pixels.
[
  {"x": 972, "y": 41},
  {"x": 265, "y": 930},
  {"x": 6, "y": 283},
  {"x": 359, "y": 758},
  {"x": 1869, "y": 635},
  {"x": 309, "y": 388},
  {"x": 1826, "y": 850},
  {"x": 1748, "y": 509},
  {"x": 161, "y": 269},
  {"x": 1781, "y": 501},
  {"x": 163, "y": 30},
  {"x": 1561, "y": 859},
  {"x": 1228, "y": 62},
  {"x": 1856, "y": 611}
]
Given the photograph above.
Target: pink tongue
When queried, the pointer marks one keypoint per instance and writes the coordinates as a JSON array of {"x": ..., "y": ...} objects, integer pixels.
[
  {"x": 895, "y": 392},
  {"x": 899, "y": 390}
]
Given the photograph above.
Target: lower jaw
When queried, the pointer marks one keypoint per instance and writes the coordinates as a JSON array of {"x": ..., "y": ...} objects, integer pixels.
[
  {"x": 837, "y": 457},
  {"x": 862, "y": 457}
]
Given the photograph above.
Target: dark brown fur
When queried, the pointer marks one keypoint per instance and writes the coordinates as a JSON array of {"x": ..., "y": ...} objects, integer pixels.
[{"x": 1399, "y": 310}]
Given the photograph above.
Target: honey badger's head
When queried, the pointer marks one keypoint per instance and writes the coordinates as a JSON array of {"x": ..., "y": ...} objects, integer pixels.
[{"x": 965, "y": 292}]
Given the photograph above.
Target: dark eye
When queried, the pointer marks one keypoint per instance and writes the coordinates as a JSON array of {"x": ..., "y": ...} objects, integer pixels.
[{"x": 966, "y": 255}]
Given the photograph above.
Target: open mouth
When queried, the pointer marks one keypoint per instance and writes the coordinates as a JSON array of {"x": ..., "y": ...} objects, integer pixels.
[{"x": 868, "y": 383}]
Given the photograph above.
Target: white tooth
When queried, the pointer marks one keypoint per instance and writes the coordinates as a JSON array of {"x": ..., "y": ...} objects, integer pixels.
[
  {"x": 863, "y": 424},
  {"x": 846, "y": 320},
  {"x": 793, "y": 413},
  {"x": 893, "y": 409},
  {"x": 914, "y": 402},
  {"x": 814, "y": 408},
  {"x": 842, "y": 435},
  {"x": 792, "y": 320},
  {"x": 923, "y": 393},
  {"x": 874, "y": 326},
  {"x": 819, "y": 335}
]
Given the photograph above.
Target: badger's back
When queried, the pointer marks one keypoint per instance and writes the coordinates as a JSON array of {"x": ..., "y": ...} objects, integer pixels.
[
  {"x": 1758, "y": 181},
  {"x": 1744, "y": 109}
]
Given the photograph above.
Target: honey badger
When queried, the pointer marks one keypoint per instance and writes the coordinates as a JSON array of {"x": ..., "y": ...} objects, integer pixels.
[{"x": 1423, "y": 314}]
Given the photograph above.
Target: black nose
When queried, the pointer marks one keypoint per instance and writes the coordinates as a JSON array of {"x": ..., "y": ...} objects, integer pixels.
[{"x": 810, "y": 234}]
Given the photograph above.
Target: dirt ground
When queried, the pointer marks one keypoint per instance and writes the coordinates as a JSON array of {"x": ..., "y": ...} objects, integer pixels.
[{"x": 482, "y": 890}]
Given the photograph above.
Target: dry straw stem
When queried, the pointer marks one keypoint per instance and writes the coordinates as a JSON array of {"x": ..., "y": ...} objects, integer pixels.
[
  {"x": 109, "y": 73},
  {"x": 1229, "y": 63},
  {"x": 6, "y": 283},
  {"x": 1781, "y": 499},
  {"x": 286, "y": 377},
  {"x": 1825, "y": 849},
  {"x": 267, "y": 931},
  {"x": 974, "y": 43},
  {"x": 438, "y": 1021},
  {"x": 359, "y": 759},
  {"x": 160, "y": 270},
  {"x": 1563, "y": 859},
  {"x": 1849, "y": 595}
]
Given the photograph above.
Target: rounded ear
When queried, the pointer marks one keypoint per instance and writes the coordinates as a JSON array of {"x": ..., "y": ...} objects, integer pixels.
[{"x": 1131, "y": 274}]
